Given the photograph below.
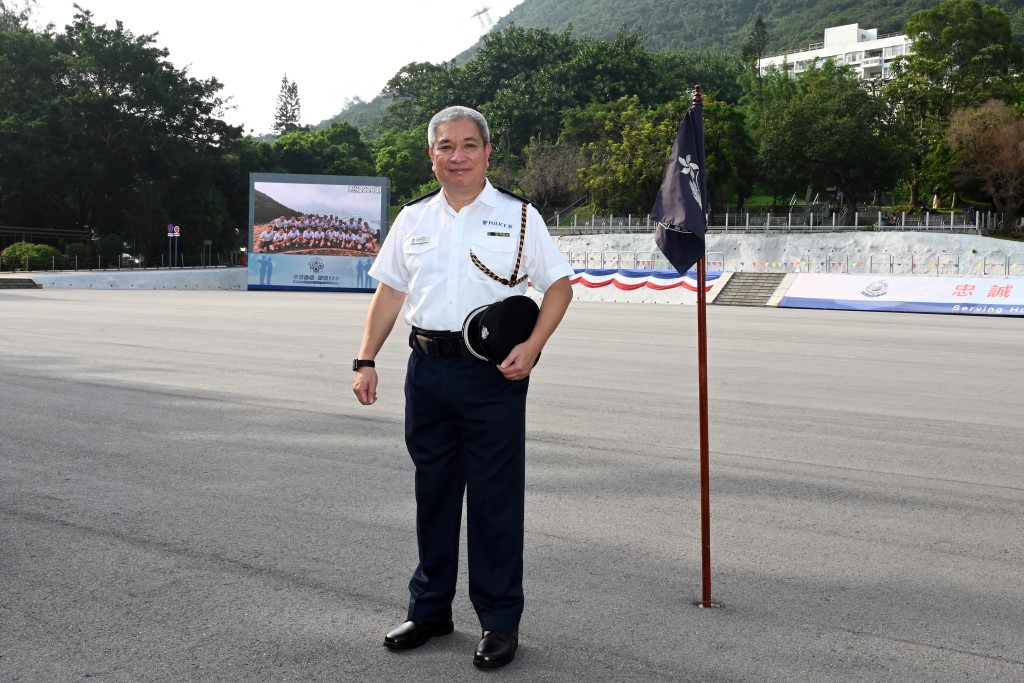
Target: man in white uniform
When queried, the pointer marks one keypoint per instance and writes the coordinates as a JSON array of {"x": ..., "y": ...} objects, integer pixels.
[
  {"x": 266, "y": 237},
  {"x": 465, "y": 418}
]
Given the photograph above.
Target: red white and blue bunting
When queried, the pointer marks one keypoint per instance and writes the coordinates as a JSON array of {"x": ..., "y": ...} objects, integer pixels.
[{"x": 636, "y": 279}]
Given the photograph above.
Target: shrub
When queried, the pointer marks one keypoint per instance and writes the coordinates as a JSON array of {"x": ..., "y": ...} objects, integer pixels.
[
  {"x": 28, "y": 256},
  {"x": 76, "y": 249},
  {"x": 110, "y": 246}
]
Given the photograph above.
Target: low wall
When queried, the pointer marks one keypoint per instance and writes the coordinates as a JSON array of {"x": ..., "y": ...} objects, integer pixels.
[{"x": 186, "y": 278}]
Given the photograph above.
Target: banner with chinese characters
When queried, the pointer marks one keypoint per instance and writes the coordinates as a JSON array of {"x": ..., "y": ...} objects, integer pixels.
[
  {"x": 311, "y": 232},
  {"x": 908, "y": 294}
]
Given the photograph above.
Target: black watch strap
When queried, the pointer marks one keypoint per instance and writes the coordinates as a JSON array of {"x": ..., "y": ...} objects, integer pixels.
[{"x": 356, "y": 364}]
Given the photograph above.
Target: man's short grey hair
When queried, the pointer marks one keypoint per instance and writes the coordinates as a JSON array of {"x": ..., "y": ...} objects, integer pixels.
[{"x": 456, "y": 114}]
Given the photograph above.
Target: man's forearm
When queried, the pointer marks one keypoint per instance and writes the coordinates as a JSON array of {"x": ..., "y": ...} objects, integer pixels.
[
  {"x": 556, "y": 301},
  {"x": 380, "y": 319}
]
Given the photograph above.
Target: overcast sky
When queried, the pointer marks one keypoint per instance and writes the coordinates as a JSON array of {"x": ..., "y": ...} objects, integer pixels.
[{"x": 334, "y": 51}]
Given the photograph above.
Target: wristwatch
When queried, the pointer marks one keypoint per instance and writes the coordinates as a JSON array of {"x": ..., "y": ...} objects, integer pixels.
[{"x": 356, "y": 364}]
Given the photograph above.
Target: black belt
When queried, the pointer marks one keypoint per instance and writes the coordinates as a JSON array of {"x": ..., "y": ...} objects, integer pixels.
[{"x": 438, "y": 344}]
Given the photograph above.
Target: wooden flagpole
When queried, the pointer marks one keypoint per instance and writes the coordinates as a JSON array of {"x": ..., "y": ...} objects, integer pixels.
[{"x": 702, "y": 375}]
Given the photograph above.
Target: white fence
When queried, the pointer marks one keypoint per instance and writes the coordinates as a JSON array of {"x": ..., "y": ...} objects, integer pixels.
[{"x": 973, "y": 222}]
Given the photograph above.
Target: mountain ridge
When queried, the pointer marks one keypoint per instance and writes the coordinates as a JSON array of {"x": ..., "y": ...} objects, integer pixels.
[
  {"x": 676, "y": 25},
  {"x": 682, "y": 24}
]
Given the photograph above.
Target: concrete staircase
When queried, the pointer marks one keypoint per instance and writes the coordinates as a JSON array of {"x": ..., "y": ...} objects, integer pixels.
[
  {"x": 749, "y": 289},
  {"x": 18, "y": 283}
]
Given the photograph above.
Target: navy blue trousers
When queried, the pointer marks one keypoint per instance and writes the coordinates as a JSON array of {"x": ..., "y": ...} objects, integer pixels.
[{"x": 465, "y": 428}]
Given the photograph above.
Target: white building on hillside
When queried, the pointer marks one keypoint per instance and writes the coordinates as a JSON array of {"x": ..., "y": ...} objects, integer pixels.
[{"x": 870, "y": 56}]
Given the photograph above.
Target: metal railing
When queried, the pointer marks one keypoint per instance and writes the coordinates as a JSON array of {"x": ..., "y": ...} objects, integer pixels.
[
  {"x": 81, "y": 263},
  {"x": 789, "y": 222},
  {"x": 62, "y": 263}
]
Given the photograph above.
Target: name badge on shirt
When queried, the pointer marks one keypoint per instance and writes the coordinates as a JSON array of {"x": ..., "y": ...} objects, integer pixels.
[
  {"x": 421, "y": 239},
  {"x": 499, "y": 234}
]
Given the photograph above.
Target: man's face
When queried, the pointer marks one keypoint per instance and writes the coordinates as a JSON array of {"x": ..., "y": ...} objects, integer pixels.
[{"x": 459, "y": 155}]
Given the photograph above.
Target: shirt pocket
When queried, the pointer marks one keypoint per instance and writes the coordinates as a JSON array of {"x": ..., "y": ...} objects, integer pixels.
[
  {"x": 497, "y": 254},
  {"x": 421, "y": 256}
]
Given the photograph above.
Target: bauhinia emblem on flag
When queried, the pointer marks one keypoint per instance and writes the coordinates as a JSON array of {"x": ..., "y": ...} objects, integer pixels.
[
  {"x": 680, "y": 207},
  {"x": 692, "y": 171}
]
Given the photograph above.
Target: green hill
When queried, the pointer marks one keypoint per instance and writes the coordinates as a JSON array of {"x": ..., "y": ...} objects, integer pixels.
[
  {"x": 266, "y": 209},
  {"x": 723, "y": 25},
  {"x": 719, "y": 25}
]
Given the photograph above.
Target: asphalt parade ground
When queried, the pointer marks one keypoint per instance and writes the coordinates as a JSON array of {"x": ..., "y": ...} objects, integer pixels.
[{"x": 189, "y": 491}]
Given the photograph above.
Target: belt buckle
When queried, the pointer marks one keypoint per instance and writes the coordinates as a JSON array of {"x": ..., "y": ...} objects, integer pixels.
[
  {"x": 451, "y": 347},
  {"x": 426, "y": 344}
]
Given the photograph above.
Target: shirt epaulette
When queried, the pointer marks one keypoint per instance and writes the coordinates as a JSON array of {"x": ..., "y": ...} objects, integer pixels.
[
  {"x": 510, "y": 193},
  {"x": 420, "y": 199}
]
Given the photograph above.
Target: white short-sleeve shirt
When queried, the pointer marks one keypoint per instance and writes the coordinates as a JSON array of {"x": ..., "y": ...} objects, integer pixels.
[{"x": 426, "y": 255}]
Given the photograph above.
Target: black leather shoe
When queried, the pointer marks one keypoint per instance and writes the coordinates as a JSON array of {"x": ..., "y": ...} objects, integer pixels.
[
  {"x": 496, "y": 648},
  {"x": 414, "y": 633}
]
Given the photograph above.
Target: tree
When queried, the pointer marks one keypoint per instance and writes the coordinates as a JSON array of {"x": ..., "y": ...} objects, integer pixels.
[
  {"x": 559, "y": 72},
  {"x": 832, "y": 133},
  {"x": 513, "y": 52},
  {"x": 754, "y": 50},
  {"x": 337, "y": 150},
  {"x": 756, "y": 46},
  {"x": 676, "y": 73},
  {"x": 26, "y": 69},
  {"x": 763, "y": 105},
  {"x": 417, "y": 91},
  {"x": 401, "y": 156},
  {"x": 526, "y": 107},
  {"x": 764, "y": 96},
  {"x": 966, "y": 48},
  {"x": 110, "y": 247},
  {"x": 988, "y": 148},
  {"x": 622, "y": 169},
  {"x": 728, "y": 151},
  {"x": 549, "y": 175},
  {"x": 524, "y": 80},
  {"x": 289, "y": 109},
  {"x": 104, "y": 132},
  {"x": 963, "y": 53},
  {"x": 624, "y": 161}
]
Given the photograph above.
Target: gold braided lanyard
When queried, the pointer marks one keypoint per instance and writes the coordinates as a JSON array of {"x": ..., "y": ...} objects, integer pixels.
[{"x": 512, "y": 281}]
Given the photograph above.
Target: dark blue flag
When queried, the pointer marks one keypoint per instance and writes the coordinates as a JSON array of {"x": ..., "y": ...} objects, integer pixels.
[{"x": 681, "y": 204}]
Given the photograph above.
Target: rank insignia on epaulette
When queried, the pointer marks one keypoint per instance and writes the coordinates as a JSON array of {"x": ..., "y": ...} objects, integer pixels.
[
  {"x": 512, "y": 194},
  {"x": 420, "y": 199}
]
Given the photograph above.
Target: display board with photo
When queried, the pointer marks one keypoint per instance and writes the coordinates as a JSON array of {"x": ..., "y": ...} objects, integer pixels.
[{"x": 314, "y": 232}]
